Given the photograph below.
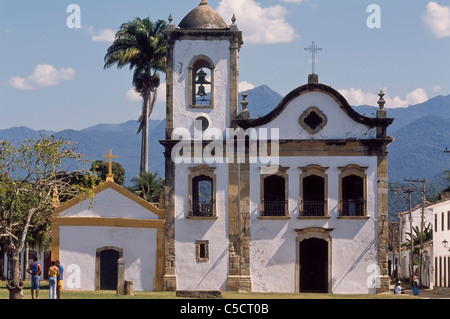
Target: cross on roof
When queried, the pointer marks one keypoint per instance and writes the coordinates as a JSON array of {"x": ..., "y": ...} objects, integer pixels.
[
  {"x": 313, "y": 49},
  {"x": 110, "y": 176}
]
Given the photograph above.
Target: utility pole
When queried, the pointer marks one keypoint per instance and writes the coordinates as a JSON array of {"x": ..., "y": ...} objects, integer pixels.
[
  {"x": 399, "y": 191},
  {"x": 422, "y": 222}
]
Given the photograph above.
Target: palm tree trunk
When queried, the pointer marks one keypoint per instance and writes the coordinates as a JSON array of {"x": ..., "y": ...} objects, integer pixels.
[{"x": 144, "y": 132}]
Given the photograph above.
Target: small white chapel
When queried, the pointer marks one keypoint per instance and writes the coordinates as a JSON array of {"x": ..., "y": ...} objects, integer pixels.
[{"x": 91, "y": 233}]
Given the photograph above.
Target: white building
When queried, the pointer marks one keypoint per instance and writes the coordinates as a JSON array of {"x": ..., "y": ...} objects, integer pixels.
[
  {"x": 408, "y": 224},
  {"x": 434, "y": 256},
  {"x": 441, "y": 246},
  {"x": 301, "y": 207},
  {"x": 89, "y": 235}
]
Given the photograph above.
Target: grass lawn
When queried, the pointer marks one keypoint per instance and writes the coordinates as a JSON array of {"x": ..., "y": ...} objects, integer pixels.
[{"x": 109, "y": 294}]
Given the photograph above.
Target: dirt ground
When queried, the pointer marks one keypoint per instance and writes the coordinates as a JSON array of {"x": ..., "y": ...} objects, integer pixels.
[{"x": 431, "y": 293}]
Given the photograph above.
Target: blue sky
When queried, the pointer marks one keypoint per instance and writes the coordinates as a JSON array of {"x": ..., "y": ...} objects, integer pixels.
[{"x": 52, "y": 77}]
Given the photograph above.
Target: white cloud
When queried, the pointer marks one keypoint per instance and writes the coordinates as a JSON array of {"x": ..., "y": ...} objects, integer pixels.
[
  {"x": 436, "y": 20},
  {"x": 245, "y": 86},
  {"x": 356, "y": 97},
  {"x": 260, "y": 25},
  {"x": 133, "y": 96},
  {"x": 436, "y": 88},
  {"x": 43, "y": 76},
  {"x": 417, "y": 96},
  {"x": 294, "y": 1},
  {"x": 104, "y": 35}
]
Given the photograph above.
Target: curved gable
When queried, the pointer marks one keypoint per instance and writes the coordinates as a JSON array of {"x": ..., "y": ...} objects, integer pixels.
[{"x": 314, "y": 87}]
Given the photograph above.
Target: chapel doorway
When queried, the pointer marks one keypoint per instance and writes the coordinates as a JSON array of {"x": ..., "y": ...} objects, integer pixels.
[
  {"x": 108, "y": 269},
  {"x": 314, "y": 265}
]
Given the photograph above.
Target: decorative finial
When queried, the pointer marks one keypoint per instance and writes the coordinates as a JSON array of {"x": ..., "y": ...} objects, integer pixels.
[
  {"x": 110, "y": 176},
  {"x": 245, "y": 114},
  {"x": 233, "y": 26},
  {"x": 381, "y": 101},
  {"x": 170, "y": 26},
  {"x": 204, "y": 2}
]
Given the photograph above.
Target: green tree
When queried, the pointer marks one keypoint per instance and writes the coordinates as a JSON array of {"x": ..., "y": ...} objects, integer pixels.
[
  {"x": 148, "y": 186},
  {"x": 447, "y": 178},
  {"x": 101, "y": 169},
  {"x": 140, "y": 45},
  {"x": 427, "y": 235},
  {"x": 30, "y": 172}
]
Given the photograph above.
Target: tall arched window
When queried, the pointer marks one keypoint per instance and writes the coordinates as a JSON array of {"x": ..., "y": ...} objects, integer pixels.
[
  {"x": 202, "y": 196},
  {"x": 201, "y": 83},
  {"x": 275, "y": 193},
  {"x": 202, "y": 191},
  {"x": 353, "y": 190},
  {"x": 313, "y": 191}
]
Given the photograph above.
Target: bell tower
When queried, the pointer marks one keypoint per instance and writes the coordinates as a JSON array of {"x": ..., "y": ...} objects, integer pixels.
[
  {"x": 202, "y": 70},
  {"x": 202, "y": 76}
]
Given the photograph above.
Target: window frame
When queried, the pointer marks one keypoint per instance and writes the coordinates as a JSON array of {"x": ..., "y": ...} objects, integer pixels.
[
  {"x": 281, "y": 172},
  {"x": 197, "y": 171},
  {"x": 198, "y": 248},
  {"x": 307, "y": 171},
  {"x": 359, "y": 171}
]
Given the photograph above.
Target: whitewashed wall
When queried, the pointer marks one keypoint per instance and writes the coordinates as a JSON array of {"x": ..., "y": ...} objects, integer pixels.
[
  {"x": 219, "y": 52},
  {"x": 78, "y": 249},
  {"x": 339, "y": 125},
  {"x": 354, "y": 247},
  {"x": 78, "y": 244},
  {"x": 439, "y": 251},
  {"x": 190, "y": 273}
]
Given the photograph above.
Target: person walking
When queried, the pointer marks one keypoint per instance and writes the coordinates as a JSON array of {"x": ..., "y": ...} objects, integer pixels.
[
  {"x": 59, "y": 279},
  {"x": 53, "y": 273},
  {"x": 35, "y": 271}
]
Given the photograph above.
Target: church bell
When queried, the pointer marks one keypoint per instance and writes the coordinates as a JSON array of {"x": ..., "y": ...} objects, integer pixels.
[{"x": 201, "y": 79}]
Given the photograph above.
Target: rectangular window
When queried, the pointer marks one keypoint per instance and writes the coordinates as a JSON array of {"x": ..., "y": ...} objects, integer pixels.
[
  {"x": 442, "y": 221},
  {"x": 448, "y": 220},
  {"x": 435, "y": 223},
  {"x": 436, "y": 271},
  {"x": 202, "y": 250},
  {"x": 448, "y": 271}
]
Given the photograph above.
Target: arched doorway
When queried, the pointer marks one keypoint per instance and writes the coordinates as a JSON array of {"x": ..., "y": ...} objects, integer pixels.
[
  {"x": 107, "y": 268},
  {"x": 313, "y": 260},
  {"x": 314, "y": 265}
]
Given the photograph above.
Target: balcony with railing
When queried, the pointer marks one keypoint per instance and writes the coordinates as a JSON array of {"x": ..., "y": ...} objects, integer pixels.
[
  {"x": 353, "y": 207},
  {"x": 313, "y": 208},
  {"x": 202, "y": 209},
  {"x": 274, "y": 208}
]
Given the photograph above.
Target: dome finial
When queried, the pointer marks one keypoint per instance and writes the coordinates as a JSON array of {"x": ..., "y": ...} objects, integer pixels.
[
  {"x": 381, "y": 101},
  {"x": 204, "y": 2}
]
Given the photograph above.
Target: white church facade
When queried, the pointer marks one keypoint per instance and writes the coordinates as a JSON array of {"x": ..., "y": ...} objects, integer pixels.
[{"x": 293, "y": 201}]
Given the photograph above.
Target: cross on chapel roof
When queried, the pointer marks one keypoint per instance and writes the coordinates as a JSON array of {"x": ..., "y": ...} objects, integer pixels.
[
  {"x": 110, "y": 176},
  {"x": 313, "y": 49}
]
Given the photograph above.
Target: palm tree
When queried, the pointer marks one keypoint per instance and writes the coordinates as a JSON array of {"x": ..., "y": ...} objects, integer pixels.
[
  {"x": 141, "y": 45},
  {"x": 148, "y": 186}
]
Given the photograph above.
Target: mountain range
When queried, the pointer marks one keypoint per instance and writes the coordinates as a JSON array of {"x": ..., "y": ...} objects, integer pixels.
[{"x": 421, "y": 133}]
